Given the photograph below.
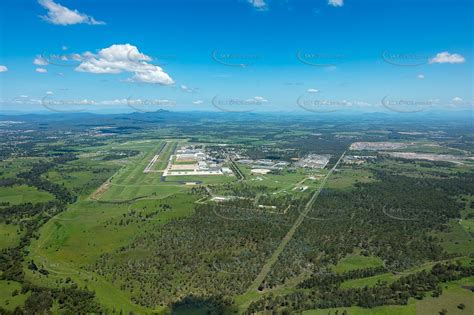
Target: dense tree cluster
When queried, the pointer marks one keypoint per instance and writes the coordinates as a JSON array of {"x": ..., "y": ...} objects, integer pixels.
[
  {"x": 70, "y": 300},
  {"x": 331, "y": 279},
  {"x": 216, "y": 252},
  {"x": 33, "y": 178},
  {"x": 390, "y": 218}
]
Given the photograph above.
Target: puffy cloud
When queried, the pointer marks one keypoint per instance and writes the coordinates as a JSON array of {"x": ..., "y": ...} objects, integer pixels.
[
  {"x": 152, "y": 74},
  {"x": 60, "y": 15},
  {"x": 258, "y": 4},
  {"x": 198, "y": 102},
  {"x": 257, "y": 100},
  {"x": 420, "y": 76},
  {"x": 124, "y": 58},
  {"x": 446, "y": 57},
  {"x": 3, "y": 68},
  {"x": 187, "y": 89},
  {"x": 336, "y": 3},
  {"x": 41, "y": 70},
  {"x": 312, "y": 90},
  {"x": 457, "y": 99},
  {"x": 49, "y": 93},
  {"x": 40, "y": 61}
]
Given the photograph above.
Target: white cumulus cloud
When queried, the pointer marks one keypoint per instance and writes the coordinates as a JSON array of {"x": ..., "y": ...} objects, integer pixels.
[
  {"x": 3, "y": 68},
  {"x": 336, "y": 3},
  {"x": 257, "y": 100},
  {"x": 198, "y": 102},
  {"x": 60, "y": 15},
  {"x": 41, "y": 70},
  {"x": 124, "y": 58},
  {"x": 312, "y": 90},
  {"x": 187, "y": 89},
  {"x": 446, "y": 57},
  {"x": 259, "y": 4},
  {"x": 40, "y": 61}
]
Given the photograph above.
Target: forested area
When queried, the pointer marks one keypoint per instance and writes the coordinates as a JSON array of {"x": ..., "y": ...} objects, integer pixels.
[
  {"x": 325, "y": 292},
  {"x": 390, "y": 218}
]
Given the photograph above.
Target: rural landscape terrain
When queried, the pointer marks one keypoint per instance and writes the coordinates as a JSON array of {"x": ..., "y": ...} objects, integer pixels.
[
  {"x": 174, "y": 213},
  {"x": 236, "y": 157}
]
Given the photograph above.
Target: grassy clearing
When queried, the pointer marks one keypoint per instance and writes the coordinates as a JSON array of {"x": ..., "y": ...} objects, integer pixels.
[
  {"x": 283, "y": 182},
  {"x": 457, "y": 240},
  {"x": 410, "y": 309},
  {"x": 357, "y": 261},
  {"x": 22, "y": 193},
  {"x": 467, "y": 221},
  {"x": 10, "y": 296},
  {"x": 204, "y": 179},
  {"x": 453, "y": 295},
  {"x": 9, "y": 235},
  {"x": 346, "y": 178}
]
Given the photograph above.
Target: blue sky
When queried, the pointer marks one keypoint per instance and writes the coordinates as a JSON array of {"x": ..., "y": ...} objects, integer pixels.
[{"x": 234, "y": 55}]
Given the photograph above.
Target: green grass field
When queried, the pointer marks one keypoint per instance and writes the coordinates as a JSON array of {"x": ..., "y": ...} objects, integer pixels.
[
  {"x": 9, "y": 235},
  {"x": 22, "y": 193},
  {"x": 356, "y": 261},
  {"x": 382, "y": 310},
  {"x": 284, "y": 182},
  {"x": 457, "y": 240},
  {"x": 468, "y": 223},
  {"x": 453, "y": 295},
  {"x": 10, "y": 296},
  {"x": 369, "y": 281},
  {"x": 346, "y": 177}
]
